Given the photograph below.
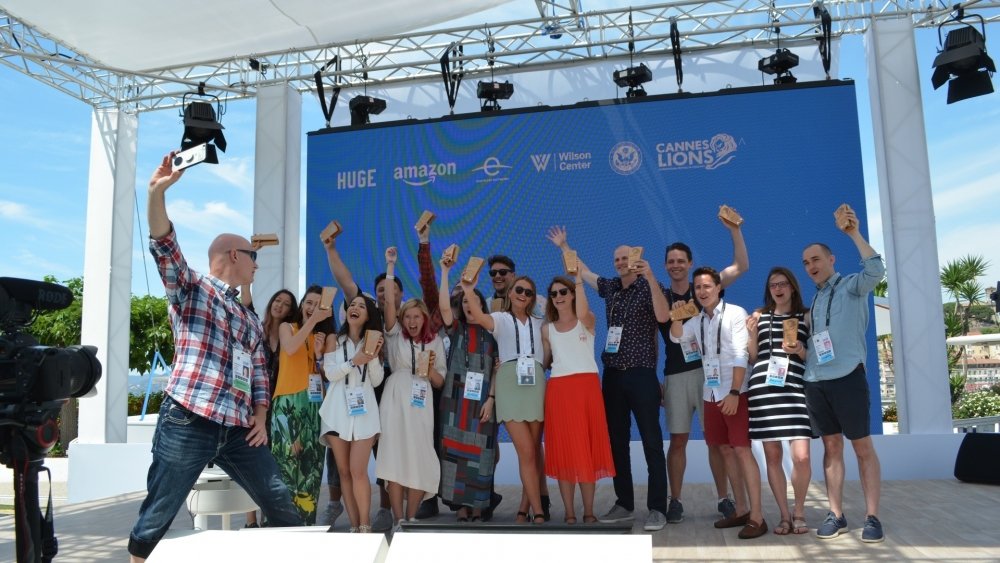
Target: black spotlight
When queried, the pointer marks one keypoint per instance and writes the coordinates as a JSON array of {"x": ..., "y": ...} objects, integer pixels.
[
  {"x": 633, "y": 78},
  {"x": 201, "y": 126},
  {"x": 362, "y": 107},
  {"x": 964, "y": 61},
  {"x": 780, "y": 64},
  {"x": 491, "y": 92}
]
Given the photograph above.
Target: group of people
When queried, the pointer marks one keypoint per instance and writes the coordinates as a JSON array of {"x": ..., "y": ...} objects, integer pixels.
[{"x": 423, "y": 384}]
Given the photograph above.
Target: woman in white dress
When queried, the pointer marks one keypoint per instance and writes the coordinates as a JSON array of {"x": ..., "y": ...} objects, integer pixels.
[
  {"x": 349, "y": 415},
  {"x": 406, "y": 455}
]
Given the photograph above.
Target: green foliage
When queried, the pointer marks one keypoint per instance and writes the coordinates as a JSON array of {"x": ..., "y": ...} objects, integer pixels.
[
  {"x": 889, "y": 413},
  {"x": 135, "y": 403},
  {"x": 977, "y": 405},
  {"x": 61, "y": 328},
  {"x": 956, "y": 382},
  {"x": 882, "y": 288}
]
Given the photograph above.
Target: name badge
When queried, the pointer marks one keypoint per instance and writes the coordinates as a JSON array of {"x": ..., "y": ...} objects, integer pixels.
[
  {"x": 242, "y": 367},
  {"x": 823, "y": 346},
  {"x": 713, "y": 373},
  {"x": 473, "y": 386},
  {"x": 315, "y": 388},
  {"x": 525, "y": 371},
  {"x": 777, "y": 370},
  {"x": 614, "y": 339},
  {"x": 418, "y": 393},
  {"x": 690, "y": 348},
  {"x": 356, "y": 401}
]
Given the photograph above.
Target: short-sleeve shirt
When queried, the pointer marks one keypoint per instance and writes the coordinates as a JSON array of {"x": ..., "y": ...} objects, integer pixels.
[
  {"x": 513, "y": 336},
  {"x": 632, "y": 309}
]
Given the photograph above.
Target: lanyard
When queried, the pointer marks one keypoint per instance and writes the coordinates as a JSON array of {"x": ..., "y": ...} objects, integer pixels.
[
  {"x": 686, "y": 296},
  {"x": 230, "y": 301},
  {"x": 413, "y": 356},
  {"x": 517, "y": 334},
  {"x": 718, "y": 334},
  {"x": 812, "y": 313},
  {"x": 614, "y": 303},
  {"x": 364, "y": 371}
]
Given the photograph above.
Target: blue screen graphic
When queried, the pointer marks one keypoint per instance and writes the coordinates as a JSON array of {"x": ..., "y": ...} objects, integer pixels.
[{"x": 645, "y": 173}]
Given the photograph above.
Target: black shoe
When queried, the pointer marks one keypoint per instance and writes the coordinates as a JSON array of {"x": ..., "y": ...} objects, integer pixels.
[
  {"x": 428, "y": 509},
  {"x": 495, "y": 500},
  {"x": 546, "y": 503}
]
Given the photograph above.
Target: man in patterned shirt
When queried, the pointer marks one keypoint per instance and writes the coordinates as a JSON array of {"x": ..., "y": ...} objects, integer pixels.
[{"x": 212, "y": 412}]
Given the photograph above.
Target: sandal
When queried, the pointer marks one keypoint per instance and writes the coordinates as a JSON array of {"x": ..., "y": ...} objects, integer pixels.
[
  {"x": 799, "y": 525},
  {"x": 753, "y": 530},
  {"x": 476, "y": 519},
  {"x": 521, "y": 518},
  {"x": 570, "y": 520},
  {"x": 783, "y": 528},
  {"x": 589, "y": 519},
  {"x": 538, "y": 519}
]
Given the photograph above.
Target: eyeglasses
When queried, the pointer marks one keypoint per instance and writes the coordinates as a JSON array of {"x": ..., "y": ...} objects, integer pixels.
[
  {"x": 251, "y": 253},
  {"x": 778, "y": 285},
  {"x": 563, "y": 291},
  {"x": 499, "y": 272},
  {"x": 527, "y": 292}
]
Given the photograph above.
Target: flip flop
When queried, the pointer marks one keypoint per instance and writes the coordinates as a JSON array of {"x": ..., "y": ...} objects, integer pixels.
[
  {"x": 799, "y": 525},
  {"x": 521, "y": 518},
  {"x": 783, "y": 528}
]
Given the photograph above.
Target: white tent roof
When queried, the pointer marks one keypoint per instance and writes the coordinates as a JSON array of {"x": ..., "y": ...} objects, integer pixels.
[{"x": 140, "y": 36}]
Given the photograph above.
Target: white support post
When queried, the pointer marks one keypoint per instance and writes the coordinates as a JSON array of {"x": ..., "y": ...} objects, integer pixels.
[
  {"x": 276, "y": 189},
  {"x": 911, "y": 256},
  {"x": 107, "y": 272}
]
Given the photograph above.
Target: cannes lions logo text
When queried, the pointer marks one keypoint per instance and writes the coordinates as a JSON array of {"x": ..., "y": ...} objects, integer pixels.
[
  {"x": 423, "y": 174},
  {"x": 700, "y": 153},
  {"x": 625, "y": 158}
]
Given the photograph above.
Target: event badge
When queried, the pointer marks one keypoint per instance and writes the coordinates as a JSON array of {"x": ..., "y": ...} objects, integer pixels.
[
  {"x": 690, "y": 348},
  {"x": 823, "y": 346},
  {"x": 315, "y": 388},
  {"x": 356, "y": 401},
  {"x": 713, "y": 376},
  {"x": 614, "y": 339},
  {"x": 777, "y": 370},
  {"x": 418, "y": 393},
  {"x": 525, "y": 370},
  {"x": 241, "y": 370},
  {"x": 473, "y": 385}
]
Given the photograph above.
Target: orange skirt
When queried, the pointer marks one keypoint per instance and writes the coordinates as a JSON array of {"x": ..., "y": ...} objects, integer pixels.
[{"x": 577, "y": 447}]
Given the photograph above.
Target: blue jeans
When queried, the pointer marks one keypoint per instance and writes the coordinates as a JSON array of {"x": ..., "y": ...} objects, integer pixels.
[{"x": 183, "y": 445}]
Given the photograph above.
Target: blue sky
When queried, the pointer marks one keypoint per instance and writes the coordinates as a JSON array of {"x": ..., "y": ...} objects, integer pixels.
[{"x": 44, "y": 156}]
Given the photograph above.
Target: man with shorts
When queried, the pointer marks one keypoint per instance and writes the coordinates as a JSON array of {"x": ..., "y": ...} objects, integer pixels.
[{"x": 837, "y": 393}]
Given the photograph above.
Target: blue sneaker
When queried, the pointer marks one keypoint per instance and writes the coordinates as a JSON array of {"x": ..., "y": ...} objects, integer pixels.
[
  {"x": 873, "y": 530},
  {"x": 727, "y": 508},
  {"x": 832, "y": 527}
]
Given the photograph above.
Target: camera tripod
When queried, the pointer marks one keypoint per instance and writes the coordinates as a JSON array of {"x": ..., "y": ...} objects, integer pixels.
[{"x": 35, "y": 535}]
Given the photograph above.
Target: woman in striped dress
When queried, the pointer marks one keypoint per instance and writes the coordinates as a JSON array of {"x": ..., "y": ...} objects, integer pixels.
[{"x": 777, "y": 393}]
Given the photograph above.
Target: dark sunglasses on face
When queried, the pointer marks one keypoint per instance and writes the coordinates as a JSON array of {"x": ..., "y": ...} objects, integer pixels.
[
  {"x": 499, "y": 272},
  {"x": 251, "y": 253},
  {"x": 563, "y": 291},
  {"x": 524, "y": 291}
]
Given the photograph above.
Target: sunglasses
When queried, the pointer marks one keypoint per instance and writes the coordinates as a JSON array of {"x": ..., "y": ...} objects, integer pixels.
[
  {"x": 251, "y": 253},
  {"x": 527, "y": 292},
  {"x": 563, "y": 291},
  {"x": 778, "y": 285},
  {"x": 499, "y": 272}
]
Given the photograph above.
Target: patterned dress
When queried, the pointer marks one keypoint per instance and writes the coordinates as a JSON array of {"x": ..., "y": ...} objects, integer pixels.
[
  {"x": 778, "y": 413},
  {"x": 468, "y": 446}
]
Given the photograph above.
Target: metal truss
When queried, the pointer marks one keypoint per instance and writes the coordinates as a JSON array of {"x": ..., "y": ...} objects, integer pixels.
[{"x": 562, "y": 35}]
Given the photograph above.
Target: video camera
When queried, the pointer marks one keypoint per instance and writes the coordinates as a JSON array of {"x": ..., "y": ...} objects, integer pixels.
[{"x": 35, "y": 381}]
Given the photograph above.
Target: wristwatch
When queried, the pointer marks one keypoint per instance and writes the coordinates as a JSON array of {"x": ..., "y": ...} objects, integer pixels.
[{"x": 734, "y": 392}]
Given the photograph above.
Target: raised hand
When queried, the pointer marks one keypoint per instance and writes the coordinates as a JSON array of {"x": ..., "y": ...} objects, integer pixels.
[{"x": 557, "y": 235}]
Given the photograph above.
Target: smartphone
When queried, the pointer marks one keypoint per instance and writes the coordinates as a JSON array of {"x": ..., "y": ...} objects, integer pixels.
[{"x": 190, "y": 157}]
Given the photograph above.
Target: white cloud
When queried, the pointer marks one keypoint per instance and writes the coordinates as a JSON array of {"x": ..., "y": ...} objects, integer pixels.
[
  {"x": 968, "y": 197},
  {"x": 26, "y": 264},
  {"x": 213, "y": 218},
  {"x": 20, "y": 213},
  {"x": 235, "y": 171}
]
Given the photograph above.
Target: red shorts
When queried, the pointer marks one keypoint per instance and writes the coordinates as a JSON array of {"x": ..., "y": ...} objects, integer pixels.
[{"x": 723, "y": 430}]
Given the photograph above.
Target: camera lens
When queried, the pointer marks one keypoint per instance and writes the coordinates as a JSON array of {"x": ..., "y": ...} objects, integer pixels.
[{"x": 178, "y": 160}]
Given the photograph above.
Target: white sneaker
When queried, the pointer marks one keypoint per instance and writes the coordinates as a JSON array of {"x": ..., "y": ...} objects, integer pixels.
[{"x": 655, "y": 521}]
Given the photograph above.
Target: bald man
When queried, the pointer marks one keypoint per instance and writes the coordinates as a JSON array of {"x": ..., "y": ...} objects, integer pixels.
[{"x": 217, "y": 395}]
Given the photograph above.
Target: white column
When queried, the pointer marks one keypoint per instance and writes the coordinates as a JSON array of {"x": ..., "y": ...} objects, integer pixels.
[
  {"x": 911, "y": 257},
  {"x": 276, "y": 190},
  {"x": 107, "y": 271}
]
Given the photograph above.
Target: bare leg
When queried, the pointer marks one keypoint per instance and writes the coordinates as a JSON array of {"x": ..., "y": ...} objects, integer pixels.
[
  {"x": 801, "y": 474},
  {"x": 413, "y": 499},
  {"x": 735, "y": 471},
  {"x": 776, "y": 477},
  {"x": 521, "y": 435},
  {"x": 718, "y": 464},
  {"x": 587, "y": 492},
  {"x": 677, "y": 463},
  {"x": 750, "y": 474},
  {"x": 833, "y": 471},
  {"x": 359, "y": 485},
  {"x": 871, "y": 473},
  {"x": 341, "y": 452},
  {"x": 395, "y": 499},
  {"x": 566, "y": 491}
]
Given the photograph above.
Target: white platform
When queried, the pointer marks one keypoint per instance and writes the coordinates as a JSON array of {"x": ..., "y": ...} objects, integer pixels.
[
  {"x": 279, "y": 544},
  {"x": 504, "y": 548}
]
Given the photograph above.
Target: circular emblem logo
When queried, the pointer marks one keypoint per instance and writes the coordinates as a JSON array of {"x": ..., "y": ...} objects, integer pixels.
[{"x": 625, "y": 158}]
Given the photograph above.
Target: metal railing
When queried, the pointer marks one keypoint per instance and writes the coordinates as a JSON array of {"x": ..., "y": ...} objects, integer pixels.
[{"x": 975, "y": 425}]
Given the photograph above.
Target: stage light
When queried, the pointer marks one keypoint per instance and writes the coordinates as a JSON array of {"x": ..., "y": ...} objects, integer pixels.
[
  {"x": 362, "y": 107},
  {"x": 963, "y": 63},
  {"x": 633, "y": 78},
  {"x": 201, "y": 126},
  {"x": 675, "y": 48},
  {"x": 780, "y": 65},
  {"x": 491, "y": 92}
]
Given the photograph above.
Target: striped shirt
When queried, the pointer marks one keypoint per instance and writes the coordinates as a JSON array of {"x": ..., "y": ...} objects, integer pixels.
[{"x": 208, "y": 322}]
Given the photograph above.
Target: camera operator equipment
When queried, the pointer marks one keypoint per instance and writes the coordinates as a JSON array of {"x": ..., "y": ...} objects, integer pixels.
[{"x": 35, "y": 382}]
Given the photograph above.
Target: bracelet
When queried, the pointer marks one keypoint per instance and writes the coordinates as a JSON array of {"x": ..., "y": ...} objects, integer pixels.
[{"x": 390, "y": 277}]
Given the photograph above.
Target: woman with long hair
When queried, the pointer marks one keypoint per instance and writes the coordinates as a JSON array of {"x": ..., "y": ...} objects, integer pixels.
[
  {"x": 349, "y": 415},
  {"x": 468, "y": 446},
  {"x": 407, "y": 459},
  {"x": 577, "y": 446},
  {"x": 295, "y": 408},
  {"x": 777, "y": 401},
  {"x": 520, "y": 386}
]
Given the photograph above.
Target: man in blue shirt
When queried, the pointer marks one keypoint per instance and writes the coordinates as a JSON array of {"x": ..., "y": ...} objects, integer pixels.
[{"x": 837, "y": 393}]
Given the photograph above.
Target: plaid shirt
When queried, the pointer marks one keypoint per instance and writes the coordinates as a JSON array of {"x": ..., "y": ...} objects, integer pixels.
[{"x": 208, "y": 321}]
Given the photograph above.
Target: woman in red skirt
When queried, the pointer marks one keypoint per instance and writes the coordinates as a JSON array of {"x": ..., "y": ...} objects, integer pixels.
[{"x": 577, "y": 447}]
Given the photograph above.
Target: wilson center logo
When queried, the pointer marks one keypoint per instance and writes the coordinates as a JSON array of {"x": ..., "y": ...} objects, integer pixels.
[
  {"x": 699, "y": 153},
  {"x": 566, "y": 161}
]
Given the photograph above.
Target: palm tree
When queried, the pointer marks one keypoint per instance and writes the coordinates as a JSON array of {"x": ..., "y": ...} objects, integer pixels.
[{"x": 961, "y": 271}]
